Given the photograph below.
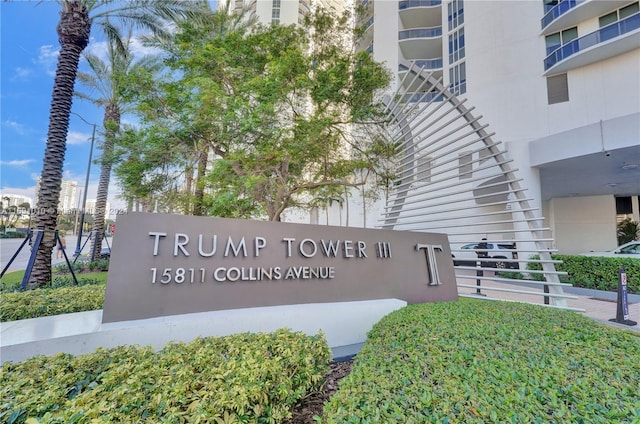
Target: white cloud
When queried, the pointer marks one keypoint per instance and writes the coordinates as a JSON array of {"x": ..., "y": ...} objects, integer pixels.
[
  {"x": 76, "y": 138},
  {"x": 100, "y": 49},
  {"x": 17, "y": 163},
  {"x": 17, "y": 127},
  {"x": 22, "y": 191},
  {"x": 21, "y": 74},
  {"x": 140, "y": 50},
  {"x": 48, "y": 58}
]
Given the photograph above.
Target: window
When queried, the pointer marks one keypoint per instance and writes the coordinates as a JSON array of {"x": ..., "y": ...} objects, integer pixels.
[
  {"x": 549, "y": 4},
  {"x": 619, "y": 14},
  {"x": 557, "y": 89},
  {"x": 554, "y": 41},
  {"x": 458, "y": 78},
  {"x": 455, "y": 14},
  {"x": 275, "y": 12},
  {"x": 465, "y": 167},
  {"x": 456, "y": 46},
  {"x": 624, "y": 205}
]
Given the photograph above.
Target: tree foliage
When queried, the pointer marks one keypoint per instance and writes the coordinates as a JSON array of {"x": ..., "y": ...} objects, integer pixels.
[{"x": 286, "y": 112}]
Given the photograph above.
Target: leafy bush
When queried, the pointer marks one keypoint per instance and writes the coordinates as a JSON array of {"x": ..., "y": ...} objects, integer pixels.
[
  {"x": 46, "y": 302},
  {"x": 13, "y": 234},
  {"x": 475, "y": 361},
  {"x": 80, "y": 266},
  {"x": 240, "y": 378},
  {"x": 627, "y": 230},
  {"x": 595, "y": 272}
]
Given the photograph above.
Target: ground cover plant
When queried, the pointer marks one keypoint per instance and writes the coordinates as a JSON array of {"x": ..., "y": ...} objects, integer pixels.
[
  {"x": 234, "y": 379},
  {"x": 476, "y": 361}
]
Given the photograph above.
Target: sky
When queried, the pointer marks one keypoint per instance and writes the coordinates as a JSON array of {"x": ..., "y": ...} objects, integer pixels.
[{"x": 28, "y": 56}]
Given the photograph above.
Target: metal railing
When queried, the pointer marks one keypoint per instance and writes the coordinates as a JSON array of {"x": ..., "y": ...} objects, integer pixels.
[
  {"x": 408, "y": 4},
  {"x": 420, "y": 33},
  {"x": 604, "y": 34},
  {"x": 558, "y": 10},
  {"x": 426, "y": 63}
]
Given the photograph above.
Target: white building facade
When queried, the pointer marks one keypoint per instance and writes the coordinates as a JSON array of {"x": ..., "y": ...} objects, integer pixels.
[{"x": 557, "y": 81}]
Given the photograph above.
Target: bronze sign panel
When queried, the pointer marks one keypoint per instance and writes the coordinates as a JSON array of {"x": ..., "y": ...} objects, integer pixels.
[{"x": 174, "y": 264}]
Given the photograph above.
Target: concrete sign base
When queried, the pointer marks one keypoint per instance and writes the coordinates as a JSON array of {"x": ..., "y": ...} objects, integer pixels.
[{"x": 345, "y": 324}]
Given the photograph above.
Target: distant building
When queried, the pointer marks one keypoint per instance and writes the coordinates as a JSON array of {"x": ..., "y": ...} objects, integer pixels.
[
  {"x": 68, "y": 200},
  {"x": 90, "y": 208},
  {"x": 9, "y": 199}
]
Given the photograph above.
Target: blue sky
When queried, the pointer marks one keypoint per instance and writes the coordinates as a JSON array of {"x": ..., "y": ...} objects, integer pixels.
[
  {"x": 29, "y": 50},
  {"x": 28, "y": 57}
]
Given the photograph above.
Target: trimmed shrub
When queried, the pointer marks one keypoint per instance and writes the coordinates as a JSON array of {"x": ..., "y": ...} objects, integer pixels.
[
  {"x": 475, "y": 361},
  {"x": 595, "y": 272},
  {"x": 242, "y": 378},
  {"x": 46, "y": 302}
]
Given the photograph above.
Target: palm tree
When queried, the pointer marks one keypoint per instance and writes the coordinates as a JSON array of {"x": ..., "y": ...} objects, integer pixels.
[
  {"x": 109, "y": 81},
  {"x": 74, "y": 28}
]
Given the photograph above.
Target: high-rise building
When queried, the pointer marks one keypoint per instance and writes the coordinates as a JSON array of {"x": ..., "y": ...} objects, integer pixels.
[
  {"x": 68, "y": 195},
  {"x": 557, "y": 81}
]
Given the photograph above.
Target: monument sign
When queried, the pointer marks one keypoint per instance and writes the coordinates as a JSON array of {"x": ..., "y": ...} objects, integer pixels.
[{"x": 165, "y": 265}]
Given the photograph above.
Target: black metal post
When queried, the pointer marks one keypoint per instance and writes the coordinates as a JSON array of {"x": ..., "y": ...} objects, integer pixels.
[{"x": 84, "y": 195}]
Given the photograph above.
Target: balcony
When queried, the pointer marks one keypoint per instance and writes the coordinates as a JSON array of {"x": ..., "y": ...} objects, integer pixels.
[
  {"x": 612, "y": 40},
  {"x": 408, "y": 4},
  {"x": 420, "y": 13},
  {"x": 434, "y": 65},
  {"x": 558, "y": 10},
  {"x": 421, "y": 43},
  {"x": 569, "y": 13},
  {"x": 429, "y": 64}
]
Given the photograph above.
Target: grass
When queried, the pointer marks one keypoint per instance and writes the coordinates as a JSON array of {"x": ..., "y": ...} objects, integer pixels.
[{"x": 11, "y": 280}]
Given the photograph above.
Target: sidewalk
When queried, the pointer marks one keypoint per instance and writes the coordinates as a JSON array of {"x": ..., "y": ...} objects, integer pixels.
[{"x": 598, "y": 305}]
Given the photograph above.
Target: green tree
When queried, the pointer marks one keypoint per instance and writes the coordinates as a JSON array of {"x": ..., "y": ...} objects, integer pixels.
[
  {"x": 279, "y": 107},
  {"x": 76, "y": 19},
  {"x": 628, "y": 230},
  {"x": 183, "y": 117}
]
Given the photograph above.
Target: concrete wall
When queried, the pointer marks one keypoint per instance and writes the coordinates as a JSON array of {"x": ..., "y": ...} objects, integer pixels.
[{"x": 582, "y": 224}]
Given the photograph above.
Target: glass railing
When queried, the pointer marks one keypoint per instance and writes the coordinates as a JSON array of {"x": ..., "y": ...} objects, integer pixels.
[
  {"x": 427, "y": 64},
  {"x": 558, "y": 10},
  {"x": 420, "y": 33},
  {"x": 607, "y": 33},
  {"x": 422, "y": 98},
  {"x": 408, "y": 4}
]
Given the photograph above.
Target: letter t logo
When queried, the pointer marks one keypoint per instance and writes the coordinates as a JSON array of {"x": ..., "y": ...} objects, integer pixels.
[{"x": 432, "y": 266}]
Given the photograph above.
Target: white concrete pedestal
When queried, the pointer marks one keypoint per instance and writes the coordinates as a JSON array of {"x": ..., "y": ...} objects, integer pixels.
[{"x": 345, "y": 325}]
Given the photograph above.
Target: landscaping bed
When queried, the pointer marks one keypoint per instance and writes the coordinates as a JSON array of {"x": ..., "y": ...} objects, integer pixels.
[
  {"x": 475, "y": 361},
  {"x": 240, "y": 378}
]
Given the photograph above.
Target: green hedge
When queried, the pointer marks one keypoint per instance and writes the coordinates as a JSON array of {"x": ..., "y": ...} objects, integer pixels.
[
  {"x": 243, "y": 378},
  {"x": 51, "y": 301},
  {"x": 596, "y": 272},
  {"x": 476, "y": 361}
]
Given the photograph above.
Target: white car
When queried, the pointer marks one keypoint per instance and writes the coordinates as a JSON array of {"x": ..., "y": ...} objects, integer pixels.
[
  {"x": 467, "y": 255},
  {"x": 627, "y": 250}
]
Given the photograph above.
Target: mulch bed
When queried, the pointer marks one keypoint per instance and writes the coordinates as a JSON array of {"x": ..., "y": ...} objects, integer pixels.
[{"x": 313, "y": 404}]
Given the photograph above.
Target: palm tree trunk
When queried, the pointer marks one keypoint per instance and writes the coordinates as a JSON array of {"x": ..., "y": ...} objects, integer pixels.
[
  {"x": 111, "y": 124},
  {"x": 73, "y": 32}
]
